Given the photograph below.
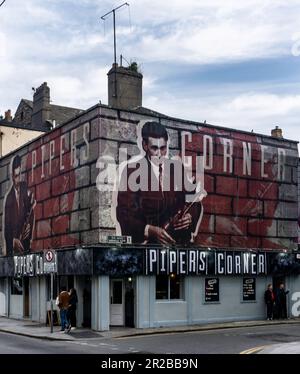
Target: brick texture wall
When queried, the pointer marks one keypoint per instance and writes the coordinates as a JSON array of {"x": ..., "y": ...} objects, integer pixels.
[{"x": 240, "y": 211}]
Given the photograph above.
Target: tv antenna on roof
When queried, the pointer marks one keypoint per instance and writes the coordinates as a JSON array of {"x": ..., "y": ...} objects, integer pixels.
[{"x": 115, "y": 43}]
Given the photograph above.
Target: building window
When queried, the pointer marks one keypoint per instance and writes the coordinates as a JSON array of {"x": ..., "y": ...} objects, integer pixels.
[
  {"x": 16, "y": 286},
  {"x": 169, "y": 287},
  {"x": 22, "y": 116}
]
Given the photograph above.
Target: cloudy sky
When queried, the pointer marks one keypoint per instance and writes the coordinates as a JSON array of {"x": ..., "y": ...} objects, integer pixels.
[{"x": 230, "y": 62}]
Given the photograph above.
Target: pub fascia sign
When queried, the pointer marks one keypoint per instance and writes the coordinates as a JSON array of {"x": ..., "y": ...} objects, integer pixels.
[
  {"x": 196, "y": 262},
  {"x": 29, "y": 265}
]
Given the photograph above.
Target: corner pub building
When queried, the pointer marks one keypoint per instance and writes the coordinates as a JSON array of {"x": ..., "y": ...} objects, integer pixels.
[{"x": 246, "y": 237}]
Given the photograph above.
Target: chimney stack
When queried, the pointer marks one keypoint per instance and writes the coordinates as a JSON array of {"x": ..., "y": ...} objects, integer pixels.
[
  {"x": 125, "y": 87},
  {"x": 277, "y": 132},
  {"x": 8, "y": 116},
  {"x": 41, "y": 106}
]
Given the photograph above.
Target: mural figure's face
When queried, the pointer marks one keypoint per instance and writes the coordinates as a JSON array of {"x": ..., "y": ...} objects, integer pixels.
[
  {"x": 17, "y": 177},
  {"x": 156, "y": 149}
]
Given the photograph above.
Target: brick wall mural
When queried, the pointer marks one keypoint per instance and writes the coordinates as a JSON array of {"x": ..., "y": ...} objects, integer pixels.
[{"x": 249, "y": 192}]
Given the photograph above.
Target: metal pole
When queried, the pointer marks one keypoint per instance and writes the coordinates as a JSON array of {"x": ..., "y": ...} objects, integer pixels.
[
  {"x": 51, "y": 303},
  {"x": 115, "y": 42},
  {"x": 115, "y": 52}
]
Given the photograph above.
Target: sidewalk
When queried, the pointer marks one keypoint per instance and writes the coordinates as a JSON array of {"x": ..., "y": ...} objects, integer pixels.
[{"x": 40, "y": 331}]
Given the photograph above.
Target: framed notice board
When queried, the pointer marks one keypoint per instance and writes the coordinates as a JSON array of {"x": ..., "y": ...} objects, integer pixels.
[
  {"x": 249, "y": 289},
  {"x": 212, "y": 290}
]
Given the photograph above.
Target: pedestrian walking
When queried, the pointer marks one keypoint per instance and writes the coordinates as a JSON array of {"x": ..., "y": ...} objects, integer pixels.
[{"x": 63, "y": 304}]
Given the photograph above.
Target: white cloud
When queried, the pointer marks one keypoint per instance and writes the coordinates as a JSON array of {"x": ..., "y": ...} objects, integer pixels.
[
  {"x": 202, "y": 32},
  {"x": 62, "y": 42},
  {"x": 249, "y": 111}
]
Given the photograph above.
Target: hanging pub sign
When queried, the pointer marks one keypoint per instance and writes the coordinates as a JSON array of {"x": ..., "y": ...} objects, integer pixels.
[
  {"x": 249, "y": 289},
  {"x": 212, "y": 290}
]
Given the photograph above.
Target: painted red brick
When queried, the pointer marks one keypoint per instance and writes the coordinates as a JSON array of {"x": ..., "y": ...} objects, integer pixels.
[
  {"x": 217, "y": 204},
  {"x": 219, "y": 149},
  {"x": 269, "y": 243},
  {"x": 244, "y": 137},
  {"x": 255, "y": 169},
  {"x": 270, "y": 171},
  {"x": 43, "y": 229},
  {"x": 263, "y": 190},
  {"x": 259, "y": 227},
  {"x": 52, "y": 135},
  {"x": 43, "y": 191},
  {"x": 209, "y": 183},
  {"x": 55, "y": 171},
  {"x": 56, "y": 241},
  {"x": 238, "y": 150},
  {"x": 213, "y": 131},
  {"x": 51, "y": 207},
  {"x": 213, "y": 240},
  {"x": 196, "y": 144},
  {"x": 231, "y": 226},
  {"x": 270, "y": 208},
  {"x": 66, "y": 202},
  {"x": 35, "y": 144},
  {"x": 47, "y": 243},
  {"x": 60, "y": 184},
  {"x": 218, "y": 167},
  {"x": 36, "y": 173},
  {"x": 38, "y": 211},
  {"x": 247, "y": 207},
  {"x": 68, "y": 240},
  {"x": 66, "y": 161},
  {"x": 194, "y": 157},
  {"x": 226, "y": 186},
  {"x": 242, "y": 187},
  {"x": 245, "y": 242},
  {"x": 60, "y": 225},
  {"x": 37, "y": 246},
  {"x": 207, "y": 223}
]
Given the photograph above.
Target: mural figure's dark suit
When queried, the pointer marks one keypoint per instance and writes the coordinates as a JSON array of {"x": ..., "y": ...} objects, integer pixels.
[
  {"x": 15, "y": 218},
  {"x": 146, "y": 206}
]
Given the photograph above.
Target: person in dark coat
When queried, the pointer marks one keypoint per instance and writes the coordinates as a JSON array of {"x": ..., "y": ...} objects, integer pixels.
[
  {"x": 281, "y": 301},
  {"x": 18, "y": 213},
  {"x": 270, "y": 301},
  {"x": 73, "y": 300}
]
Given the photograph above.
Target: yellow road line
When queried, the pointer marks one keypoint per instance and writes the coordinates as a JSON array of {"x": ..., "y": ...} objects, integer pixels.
[{"x": 252, "y": 350}]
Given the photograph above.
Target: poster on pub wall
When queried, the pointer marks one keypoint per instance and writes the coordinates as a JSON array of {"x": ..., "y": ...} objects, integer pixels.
[
  {"x": 212, "y": 290},
  {"x": 151, "y": 182},
  {"x": 249, "y": 289}
]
